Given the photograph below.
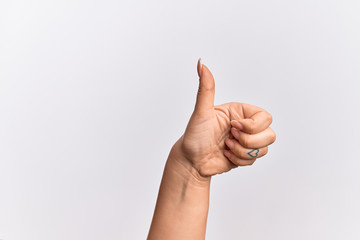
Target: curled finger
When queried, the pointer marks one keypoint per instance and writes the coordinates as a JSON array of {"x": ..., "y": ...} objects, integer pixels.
[
  {"x": 245, "y": 153},
  {"x": 236, "y": 160}
]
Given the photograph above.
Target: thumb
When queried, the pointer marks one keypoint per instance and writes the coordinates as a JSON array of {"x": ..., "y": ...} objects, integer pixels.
[{"x": 206, "y": 92}]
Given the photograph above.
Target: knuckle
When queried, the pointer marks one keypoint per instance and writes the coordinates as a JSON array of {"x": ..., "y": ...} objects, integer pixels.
[
  {"x": 272, "y": 136},
  {"x": 206, "y": 88},
  {"x": 251, "y": 127},
  {"x": 269, "y": 118},
  {"x": 266, "y": 150}
]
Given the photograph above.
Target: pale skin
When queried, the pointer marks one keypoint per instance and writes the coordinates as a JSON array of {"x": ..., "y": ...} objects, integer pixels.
[{"x": 216, "y": 140}]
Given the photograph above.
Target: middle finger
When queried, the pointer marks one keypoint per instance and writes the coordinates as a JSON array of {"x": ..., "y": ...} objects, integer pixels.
[{"x": 258, "y": 140}]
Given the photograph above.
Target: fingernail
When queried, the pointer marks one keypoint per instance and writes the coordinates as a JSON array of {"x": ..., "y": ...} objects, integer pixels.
[
  {"x": 229, "y": 143},
  {"x": 227, "y": 153},
  {"x": 236, "y": 124},
  {"x": 235, "y": 132},
  {"x": 199, "y": 67}
]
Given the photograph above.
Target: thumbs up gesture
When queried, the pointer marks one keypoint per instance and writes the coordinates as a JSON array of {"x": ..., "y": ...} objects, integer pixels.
[{"x": 220, "y": 138}]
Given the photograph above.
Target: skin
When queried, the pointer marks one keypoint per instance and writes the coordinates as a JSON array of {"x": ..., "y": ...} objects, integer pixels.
[{"x": 216, "y": 140}]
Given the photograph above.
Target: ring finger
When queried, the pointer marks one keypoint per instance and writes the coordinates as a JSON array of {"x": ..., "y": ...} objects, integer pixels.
[{"x": 245, "y": 153}]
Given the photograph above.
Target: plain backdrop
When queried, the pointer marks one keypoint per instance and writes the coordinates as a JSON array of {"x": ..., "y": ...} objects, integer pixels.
[{"x": 93, "y": 94}]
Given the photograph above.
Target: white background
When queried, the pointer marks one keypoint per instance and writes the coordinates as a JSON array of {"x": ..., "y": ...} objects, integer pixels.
[{"x": 93, "y": 94}]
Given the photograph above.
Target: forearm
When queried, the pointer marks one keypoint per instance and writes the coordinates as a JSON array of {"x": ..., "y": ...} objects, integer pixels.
[{"x": 183, "y": 202}]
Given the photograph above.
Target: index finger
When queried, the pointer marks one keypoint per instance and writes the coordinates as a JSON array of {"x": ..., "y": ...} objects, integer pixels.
[{"x": 255, "y": 119}]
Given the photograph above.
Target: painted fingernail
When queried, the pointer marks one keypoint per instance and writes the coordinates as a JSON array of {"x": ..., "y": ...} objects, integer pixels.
[
  {"x": 229, "y": 143},
  {"x": 235, "y": 132},
  {"x": 227, "y": 153},
  {"x": 236, "y": 124}
]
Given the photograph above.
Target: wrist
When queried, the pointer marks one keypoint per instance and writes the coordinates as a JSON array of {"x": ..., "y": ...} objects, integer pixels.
[{"x": 184, "y": 167}]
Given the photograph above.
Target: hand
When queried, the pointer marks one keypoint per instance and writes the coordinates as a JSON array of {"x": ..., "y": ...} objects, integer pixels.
[{"x": 219, "y": 138}]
